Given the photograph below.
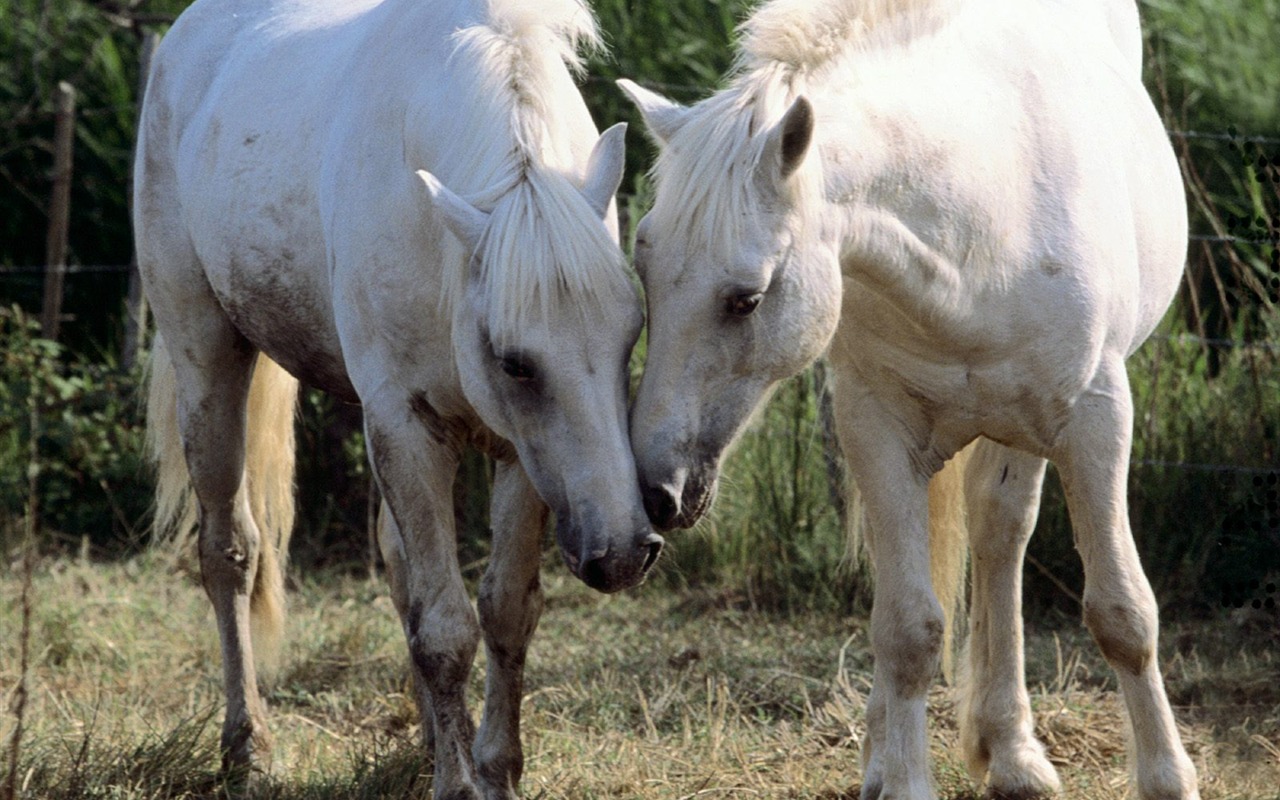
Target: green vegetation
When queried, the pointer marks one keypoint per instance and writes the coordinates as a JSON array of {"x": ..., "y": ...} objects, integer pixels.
[{"x": 86, "y": 460}]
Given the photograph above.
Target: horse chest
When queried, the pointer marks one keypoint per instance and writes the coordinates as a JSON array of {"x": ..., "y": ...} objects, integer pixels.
[{"x": 946, "y": 399}]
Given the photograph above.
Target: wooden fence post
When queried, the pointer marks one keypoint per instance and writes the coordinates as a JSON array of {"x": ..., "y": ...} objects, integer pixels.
[
  {"x": 135, "y": 331},
  {"x": 64, "y": 129}
]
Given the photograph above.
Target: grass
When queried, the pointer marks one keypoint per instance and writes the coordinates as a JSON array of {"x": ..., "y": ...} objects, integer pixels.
[{"x": 650, "y": 694}]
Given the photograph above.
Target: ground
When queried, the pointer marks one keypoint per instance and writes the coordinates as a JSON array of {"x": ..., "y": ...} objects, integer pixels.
[{"x": 647, "y": 694}]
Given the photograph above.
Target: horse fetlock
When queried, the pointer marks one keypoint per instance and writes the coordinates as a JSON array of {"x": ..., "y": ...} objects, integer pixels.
[
  {"x": 881, "y": 781},
  {"x": 999, "y": 744},
  {"x": 246, "y": 753},
  {"x": 1172, "y": 778},
  {"x": 913, "y": 790}
]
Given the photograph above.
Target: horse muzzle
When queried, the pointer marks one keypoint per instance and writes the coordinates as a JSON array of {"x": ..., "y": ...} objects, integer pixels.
[
  {"x": 608, "y": 566},
  {"x": 681, "y": 501}
]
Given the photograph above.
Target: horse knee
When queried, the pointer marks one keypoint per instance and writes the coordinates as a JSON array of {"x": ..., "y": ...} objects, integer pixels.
[
  {"x": 442, "y": 645},
  {"x": 1124, "y": 629},
  {"x": 910, "y": 646}
]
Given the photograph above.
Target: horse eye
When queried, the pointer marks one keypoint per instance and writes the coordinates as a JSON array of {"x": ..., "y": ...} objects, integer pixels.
[
  {"x": 743, "y": 305},
  {"x": 518, "y": 369}
]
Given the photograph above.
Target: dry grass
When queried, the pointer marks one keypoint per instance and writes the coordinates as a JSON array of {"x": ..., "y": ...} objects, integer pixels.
[{"x": 645, "y": 695}]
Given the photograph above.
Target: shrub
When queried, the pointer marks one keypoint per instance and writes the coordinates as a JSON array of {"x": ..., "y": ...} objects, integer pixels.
[{"x": 87, "y": 452}]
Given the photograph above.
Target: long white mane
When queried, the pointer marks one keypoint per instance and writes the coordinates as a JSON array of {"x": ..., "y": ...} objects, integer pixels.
[
  {"x": 786, "y": 48},
  {"x": 509, "y": 154}
]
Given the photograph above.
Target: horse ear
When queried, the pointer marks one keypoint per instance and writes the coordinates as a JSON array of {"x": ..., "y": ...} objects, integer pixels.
[
  {"x": 604, "y": 168},
  {"x": 790, "y": 139},
  {"x": 662, "y": 117},
  {"x": 461, "y": 218}
]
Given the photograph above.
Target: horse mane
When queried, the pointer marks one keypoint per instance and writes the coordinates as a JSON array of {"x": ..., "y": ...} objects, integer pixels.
[
  {"x": 509, "y": 153},
  {"x": 786, "y": 48},
  {"x": 806, "y": 36}
]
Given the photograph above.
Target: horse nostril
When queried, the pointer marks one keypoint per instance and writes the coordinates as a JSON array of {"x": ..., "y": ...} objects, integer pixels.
[
  {"x": 655, "y": 547},
  {"x": 594, "y": 575},
  {"x": 661, "y": 506}
]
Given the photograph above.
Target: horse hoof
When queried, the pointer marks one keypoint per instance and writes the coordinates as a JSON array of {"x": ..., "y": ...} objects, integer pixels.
[{"x": 1024, "y": 777}]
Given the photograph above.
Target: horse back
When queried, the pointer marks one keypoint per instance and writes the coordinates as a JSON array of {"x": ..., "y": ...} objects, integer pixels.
[
  {"x": 1023, "y": 151},
  {"x": 253, "y": 111},
  {"x": 1039, "y": 222}
]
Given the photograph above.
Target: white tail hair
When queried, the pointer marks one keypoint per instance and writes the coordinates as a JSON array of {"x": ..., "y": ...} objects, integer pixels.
[
  {"x": 269, "y": 464},
  {"x": 949, "y": 549}
]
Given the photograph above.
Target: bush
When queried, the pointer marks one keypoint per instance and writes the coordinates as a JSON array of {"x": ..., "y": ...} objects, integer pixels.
[{"x": 77, "y": 425}]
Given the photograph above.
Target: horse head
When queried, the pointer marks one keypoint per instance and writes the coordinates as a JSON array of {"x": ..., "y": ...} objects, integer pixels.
[
  {"x": 743, "y": 287},
  {"x": 543, "y": 330}
]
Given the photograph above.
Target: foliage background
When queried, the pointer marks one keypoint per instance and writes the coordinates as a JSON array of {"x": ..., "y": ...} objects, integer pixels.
[{"x": 1208, "y": 386}]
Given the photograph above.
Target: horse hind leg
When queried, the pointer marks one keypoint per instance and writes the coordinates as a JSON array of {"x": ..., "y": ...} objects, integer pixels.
[
  {"x": 1119, "y": 608},
  {"x": 1002, "y": 489},
  {"x": 213, "y": 368}
]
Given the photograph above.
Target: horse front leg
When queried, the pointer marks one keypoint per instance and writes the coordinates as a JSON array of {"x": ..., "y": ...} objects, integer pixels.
[
  {"x": 1092, "y": 456},
  {"x": 415, "y": 467},
  {"x": 1002, "y": 488},
  {"x": 510, "y": 604},
  {"x": 391, "y": 544},
  {"x": 907, "y": 622}
]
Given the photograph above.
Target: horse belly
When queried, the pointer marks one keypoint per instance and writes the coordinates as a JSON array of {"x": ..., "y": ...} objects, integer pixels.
[
  {"x": 947, "y": 390},
  {"x": 250, "y": 199},
  {"x": 288, "y": 317}
]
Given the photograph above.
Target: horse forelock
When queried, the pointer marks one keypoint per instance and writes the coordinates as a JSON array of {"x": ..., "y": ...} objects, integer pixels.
[
  {"x": 706, "y": 174},
  {"x": 512, "y": 156},
  {"x": 546, "y": 254}
]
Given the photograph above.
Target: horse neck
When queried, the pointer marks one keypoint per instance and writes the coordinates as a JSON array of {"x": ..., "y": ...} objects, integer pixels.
[{"x": 865, "y": 190}]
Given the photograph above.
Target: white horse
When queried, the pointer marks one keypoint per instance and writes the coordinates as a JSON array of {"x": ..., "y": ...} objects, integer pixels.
[
  {"x": 278, "y": 213},
  {"x": 974, "y": 206}
]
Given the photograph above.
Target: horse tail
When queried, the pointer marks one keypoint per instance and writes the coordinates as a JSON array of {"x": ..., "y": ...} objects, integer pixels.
[
  {"x": 269, "y": 466},
  {"x": 949, "y": 549},
  {"x": 948, "y": 545}
]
